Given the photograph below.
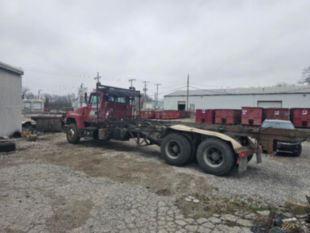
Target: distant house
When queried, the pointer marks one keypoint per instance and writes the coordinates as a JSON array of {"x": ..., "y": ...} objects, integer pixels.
[
  {"x": 10, "y": 99},
  {"x": 33, "y": 106}
]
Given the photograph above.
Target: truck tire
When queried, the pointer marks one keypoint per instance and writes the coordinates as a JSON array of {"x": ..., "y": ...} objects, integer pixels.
[
  {"x": 73, "y": 135},
  {"x": 298, "y": 153},
  {"x": 176, "y": 149},
  {"x": 216, "y": 157},
  {"x": 6, "y": 146}
]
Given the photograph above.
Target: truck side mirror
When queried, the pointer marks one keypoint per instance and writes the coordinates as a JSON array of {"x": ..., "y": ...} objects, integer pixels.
[{"x": 85, "y": 97}]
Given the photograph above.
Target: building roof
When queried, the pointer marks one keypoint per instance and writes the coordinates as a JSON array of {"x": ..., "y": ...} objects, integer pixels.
[
  {"x": 10, "y": 68},
  {"x": 293, "y": 89}
]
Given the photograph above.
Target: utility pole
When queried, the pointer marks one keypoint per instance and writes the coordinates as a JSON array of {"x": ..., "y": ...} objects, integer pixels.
[
  {"x": 145, "y": 89},
  {"x": 131, "y": 82},
  {"x": 156, "y": 94},
  {"x": 39, "y": 93},
  {"x": 187, "y": 93},
  {"x": 98, "y": 77}
]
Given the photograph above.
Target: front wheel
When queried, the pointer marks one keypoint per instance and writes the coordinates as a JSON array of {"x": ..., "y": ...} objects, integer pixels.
[
  {"x": 299, "y": 151},
  {"x": 216, "y": 157},
  {"x": 73, "y": 135},
  {"x": 176, "y": 149}
]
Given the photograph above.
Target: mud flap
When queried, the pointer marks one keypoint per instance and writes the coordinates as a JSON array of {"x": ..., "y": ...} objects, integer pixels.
[
  {"x": 259, "y": 154},
  {"x": 243, "y": 165}
]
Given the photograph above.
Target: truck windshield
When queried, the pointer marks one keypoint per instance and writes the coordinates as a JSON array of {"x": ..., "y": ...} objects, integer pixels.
[{"x": 94, "y": 100}]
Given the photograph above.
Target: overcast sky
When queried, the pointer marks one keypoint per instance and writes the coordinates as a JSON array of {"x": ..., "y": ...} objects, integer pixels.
[{"x": 62, "y": 43}]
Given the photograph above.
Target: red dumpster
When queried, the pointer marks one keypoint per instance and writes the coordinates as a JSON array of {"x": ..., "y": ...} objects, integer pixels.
[
  {"x": 184, "y": 114},
  {"x": 147, "y": 114},
  {"x": 277, "y": 113},
  {"x": 200, "y": 116},
  {"x": 170, "y": 114},
  {"x": 301, "y": 117},
  {"x": 158, "y": 115},
  {"x": 228, "y": 116},
  {"x": 209, "y": 116},
  {"x": 252, "y": 116}
]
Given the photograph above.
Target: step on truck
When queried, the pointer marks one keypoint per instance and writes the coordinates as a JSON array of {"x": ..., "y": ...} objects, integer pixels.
[{"x": 113, "y": 113}]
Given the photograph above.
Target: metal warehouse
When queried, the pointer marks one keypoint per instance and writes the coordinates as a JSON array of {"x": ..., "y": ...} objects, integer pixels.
[
  {"x": 279, "y": 96},
  {"x": 10, "y": 99}
]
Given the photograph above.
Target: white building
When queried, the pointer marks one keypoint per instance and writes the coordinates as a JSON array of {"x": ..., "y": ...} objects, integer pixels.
[
  {"x": 10, "y": 99},
  {"x": 235, "y": 98},
  {"x": 33, "y": 106}
]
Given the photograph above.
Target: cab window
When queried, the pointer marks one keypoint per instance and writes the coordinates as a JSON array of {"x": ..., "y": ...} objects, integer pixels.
[
  {"x": 94, "y": 100},
  {"x": 121, "y": 100},
  {"x": 110, "y": 98},
  {"x": 116, "y": 99}
]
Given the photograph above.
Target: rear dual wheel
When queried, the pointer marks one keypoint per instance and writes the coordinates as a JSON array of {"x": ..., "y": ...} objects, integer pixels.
[
  {"x": 216, "y": 157},
  {"x": 176, "y": 149}
]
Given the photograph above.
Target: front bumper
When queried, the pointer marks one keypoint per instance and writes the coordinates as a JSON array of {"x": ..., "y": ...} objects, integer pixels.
[{"x": 288, "y": 147}]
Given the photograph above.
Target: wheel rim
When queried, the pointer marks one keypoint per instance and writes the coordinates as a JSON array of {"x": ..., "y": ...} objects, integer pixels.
[
  {"x": 71, "y": 133},
  {"x": 213, "y": 157},
  {"x": 172, "y": 149}
]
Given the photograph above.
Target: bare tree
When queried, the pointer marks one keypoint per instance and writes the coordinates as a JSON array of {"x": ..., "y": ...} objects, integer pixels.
[
  {"x": 58, "y": 102},
  {"x": 306, "y": 76},
  {"x": 27, "y": 94}
]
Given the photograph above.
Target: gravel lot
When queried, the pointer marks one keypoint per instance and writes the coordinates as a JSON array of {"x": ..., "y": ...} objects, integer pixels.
[{"x": 52, "y": 186}]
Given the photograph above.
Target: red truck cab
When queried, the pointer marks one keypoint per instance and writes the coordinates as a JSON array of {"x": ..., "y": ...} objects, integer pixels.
[{"x": 105, "y": 105}]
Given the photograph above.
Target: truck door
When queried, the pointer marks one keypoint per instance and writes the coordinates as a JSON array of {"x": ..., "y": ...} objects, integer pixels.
[{"x": 94, "y": 103}]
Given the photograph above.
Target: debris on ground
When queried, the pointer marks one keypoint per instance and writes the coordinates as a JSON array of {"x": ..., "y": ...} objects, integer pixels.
[
  {"x": 29, "y": 135},
  {"x": 7, "y": 146}
]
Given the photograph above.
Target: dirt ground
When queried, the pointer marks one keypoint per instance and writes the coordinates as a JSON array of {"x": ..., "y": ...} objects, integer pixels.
[{"x": 81, "y": 188}]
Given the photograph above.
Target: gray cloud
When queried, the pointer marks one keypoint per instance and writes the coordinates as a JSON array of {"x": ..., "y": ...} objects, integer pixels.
[{"x": 60, "y": 44}]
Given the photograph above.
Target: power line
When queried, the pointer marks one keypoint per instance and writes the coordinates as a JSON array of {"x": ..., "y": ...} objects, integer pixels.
[{"x": 178, "y": 89}]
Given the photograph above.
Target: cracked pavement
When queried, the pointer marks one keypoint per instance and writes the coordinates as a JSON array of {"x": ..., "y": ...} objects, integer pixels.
[{"x": 51, "y": 186}]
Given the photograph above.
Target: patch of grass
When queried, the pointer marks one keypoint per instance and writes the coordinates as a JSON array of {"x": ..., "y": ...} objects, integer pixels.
[
  {"x": 207, "y": 206},
  {"x": 297, "y": 209},
  {"x": 163, "y": 192}
]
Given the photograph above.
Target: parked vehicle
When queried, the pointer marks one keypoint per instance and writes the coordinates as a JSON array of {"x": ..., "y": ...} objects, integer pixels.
[
  {"x": 110, "y": 114},
  {"x": 283, "y": 146}
]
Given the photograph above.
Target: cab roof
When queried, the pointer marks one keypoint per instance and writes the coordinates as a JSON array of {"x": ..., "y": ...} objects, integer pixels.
[{"x": 116, "y": 91}]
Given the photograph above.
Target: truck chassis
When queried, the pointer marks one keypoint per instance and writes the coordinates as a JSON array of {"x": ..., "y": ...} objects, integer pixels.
[{"x": 216, "y": 152}]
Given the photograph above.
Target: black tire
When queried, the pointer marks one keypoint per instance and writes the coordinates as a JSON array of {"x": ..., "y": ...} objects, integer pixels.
[
  {"x": 216, "y": 157},
  {"x": 298, "y": 153},
  {"x": 7, "y": 146},
  {"x": 176, "y": 149},
  {"x": 73, "y": 135}
]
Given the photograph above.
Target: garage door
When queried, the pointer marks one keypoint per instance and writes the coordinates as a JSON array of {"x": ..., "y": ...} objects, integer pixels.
[{"x": 269, "y": 104}]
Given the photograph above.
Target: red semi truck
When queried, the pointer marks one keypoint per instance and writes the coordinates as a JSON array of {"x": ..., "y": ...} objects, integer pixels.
[{"x": 112, "y": 113}]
